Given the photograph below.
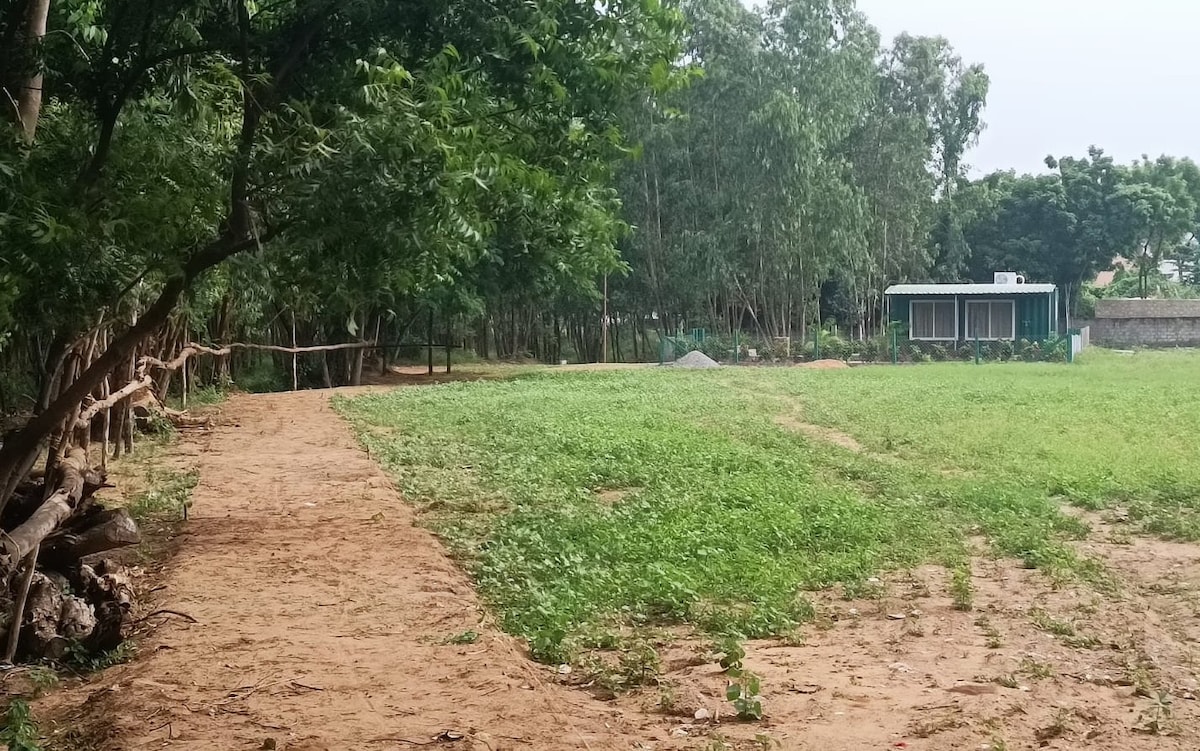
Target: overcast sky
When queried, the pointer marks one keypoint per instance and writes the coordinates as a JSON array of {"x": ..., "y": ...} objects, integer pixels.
[{"x": 1121, "y": 74}]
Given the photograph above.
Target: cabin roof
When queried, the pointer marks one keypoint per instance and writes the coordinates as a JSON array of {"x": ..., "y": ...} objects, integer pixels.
[{"x": 968, "y": 289}]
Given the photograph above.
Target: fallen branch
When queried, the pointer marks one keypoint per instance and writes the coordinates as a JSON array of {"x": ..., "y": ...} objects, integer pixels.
[
  {"x": 164, "y": 611},
  {"x": 286, "y": 350},
  {"x": 199, "y": 349},
  {"x": 95, "y": 408}
]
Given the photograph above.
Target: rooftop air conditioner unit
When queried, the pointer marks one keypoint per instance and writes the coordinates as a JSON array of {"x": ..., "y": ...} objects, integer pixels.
[{"x": 1007, "y": 277}]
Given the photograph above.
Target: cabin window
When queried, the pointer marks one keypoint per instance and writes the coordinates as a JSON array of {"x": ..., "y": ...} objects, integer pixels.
[
  {"x": 933, "y": 319},
  {"x": 990, "y": 320}
]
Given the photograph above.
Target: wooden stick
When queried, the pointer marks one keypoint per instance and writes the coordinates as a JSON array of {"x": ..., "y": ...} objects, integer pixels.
[
  {"x": 164, "y": 611},
  {"x": 18, "y": 610},
  {"x": 200, "y": 349},
  {"x": 105, "y": 392},
  {"x": 294, "y": 354},
  {"x": 85, "y": 417}
]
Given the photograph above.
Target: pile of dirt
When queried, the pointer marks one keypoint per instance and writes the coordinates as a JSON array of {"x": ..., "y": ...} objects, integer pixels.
[
  {"x": 696, "y": 360},
  {"x": 826, "y": 365}
]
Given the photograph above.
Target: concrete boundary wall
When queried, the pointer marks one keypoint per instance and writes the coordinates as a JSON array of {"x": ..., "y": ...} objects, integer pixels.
[{"x": 1147, "y": 323}]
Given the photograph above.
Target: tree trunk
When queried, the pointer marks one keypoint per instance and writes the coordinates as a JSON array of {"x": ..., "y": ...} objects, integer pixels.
[
  {"x": 325, "y": 370},
  {"x": 29, "y": 98}
]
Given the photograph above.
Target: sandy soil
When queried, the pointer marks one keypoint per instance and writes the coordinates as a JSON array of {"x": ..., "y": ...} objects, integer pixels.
[{"x": 324, "y": 613}]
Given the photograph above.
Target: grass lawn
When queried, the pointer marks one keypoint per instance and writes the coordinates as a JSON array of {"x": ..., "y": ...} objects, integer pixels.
[{"x": 584, "y": 500}]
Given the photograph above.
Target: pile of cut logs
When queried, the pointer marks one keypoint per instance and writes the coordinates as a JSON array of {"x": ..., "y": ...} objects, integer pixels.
[
  {"x": 65, "y": 592},
  {"x": 74, "y": 596}
]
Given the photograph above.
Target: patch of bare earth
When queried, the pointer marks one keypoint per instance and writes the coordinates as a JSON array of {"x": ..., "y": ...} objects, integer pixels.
[
  {"x": 819, "y": 433},
  {"x": 613, "y": 496},
  {"x": 825, "y": 365},
  {"x": 324, "y": 616},
  {"x": 1031, "y": 665}
]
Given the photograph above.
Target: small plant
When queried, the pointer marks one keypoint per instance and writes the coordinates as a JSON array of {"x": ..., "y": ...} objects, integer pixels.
[
  {"x": 668, "y": 703},
  {"x": 1049, "y": 624},
  {"x": 1141, "y": 677},
  {"x": 865, "y": 589},
  {"x": 20, "y": 732},
  {"x": 167, "y": 491},
  {"x": 744, "y": 695},
  {"x": 743, "y": 691},
  {"x": 960, "y": 588},
  {"x": 732, "y": 654},
  {"x": 994, "y": 640},
  {"x": 466, "y": 637},
  {"x": 636, "y": 664},
  {"x": 43, "y": 679},
  {"x": 85, "y": 661},
  {"x": 1035, "y": 669},
  {"x": 640, "y": 664},
  {"x": 1057, "y": 729},
  {"x": 1159, "y": 718}
]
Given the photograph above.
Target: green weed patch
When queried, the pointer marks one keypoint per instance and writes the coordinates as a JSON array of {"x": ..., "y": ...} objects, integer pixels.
[{"x": 657, "y": 497}]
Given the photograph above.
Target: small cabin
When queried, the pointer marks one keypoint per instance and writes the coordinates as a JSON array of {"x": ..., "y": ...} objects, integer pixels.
[{"x": 1007, "y": 309}]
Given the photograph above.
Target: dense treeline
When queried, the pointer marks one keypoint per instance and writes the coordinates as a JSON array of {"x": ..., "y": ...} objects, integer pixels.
[
  {"x": 1075, "y": 221},
  {"x": 799, "y": 173}
]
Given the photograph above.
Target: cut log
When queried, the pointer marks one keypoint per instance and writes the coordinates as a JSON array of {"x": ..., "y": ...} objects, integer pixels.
[
  {"x": 54, "y": 619},
  {"x": 109, "y": 587},
  {"x": 107, "y": 582},
  {"x": 73, "y": 473},
  {"x": 18, "y": 543},
  {"x": 98, "y": 531}
]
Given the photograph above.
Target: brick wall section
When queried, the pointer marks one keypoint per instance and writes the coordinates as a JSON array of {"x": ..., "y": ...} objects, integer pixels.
[
  {"x": 1122, "y": 308},
  {"x": 1147, "y": 323}
]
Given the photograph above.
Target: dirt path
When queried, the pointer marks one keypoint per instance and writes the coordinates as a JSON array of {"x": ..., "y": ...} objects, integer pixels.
[{"x": 321, "y": 609}]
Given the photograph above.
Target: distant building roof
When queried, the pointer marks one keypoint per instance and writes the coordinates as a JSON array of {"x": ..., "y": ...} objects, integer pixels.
[
  {"x": 968, "y": 289},
  {"x": 1107, "y": 277}
]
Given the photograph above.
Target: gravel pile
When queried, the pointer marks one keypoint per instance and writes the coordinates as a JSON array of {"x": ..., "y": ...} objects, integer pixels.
[{"x": 695, "y": 360}]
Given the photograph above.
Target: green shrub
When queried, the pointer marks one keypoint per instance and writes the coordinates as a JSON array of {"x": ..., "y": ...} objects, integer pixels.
[
  {"x": 874, "y": 349},
  {"x": 717, "y": 347},
  {"x": 1056, "y": 349},
  {"x": 19, "y": 733}
]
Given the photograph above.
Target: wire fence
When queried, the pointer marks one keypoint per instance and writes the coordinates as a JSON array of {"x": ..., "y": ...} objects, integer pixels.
[{"x": 885, "y": 348}]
